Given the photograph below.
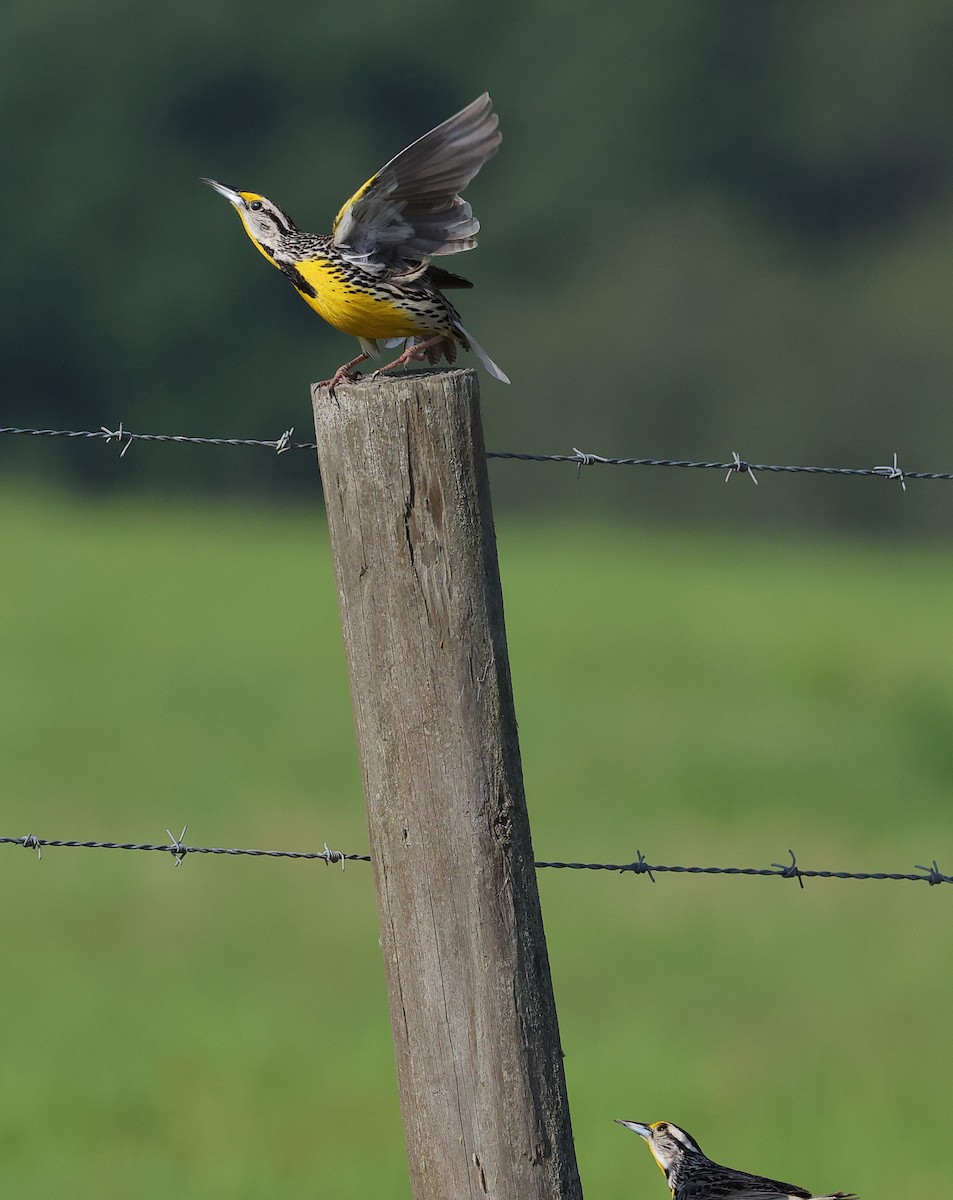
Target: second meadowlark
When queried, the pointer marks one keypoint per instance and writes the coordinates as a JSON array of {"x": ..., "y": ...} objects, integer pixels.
[
  {"x": 691, "y": 1175},
  {"x": 372, "y": 275}
]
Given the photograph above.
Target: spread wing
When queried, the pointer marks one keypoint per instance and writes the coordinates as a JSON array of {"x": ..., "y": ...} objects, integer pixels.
[{"x": 412, "y": 207}]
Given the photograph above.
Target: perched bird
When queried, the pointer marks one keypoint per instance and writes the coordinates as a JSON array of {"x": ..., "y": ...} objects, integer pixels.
[
  {"x": 372, "y": 276},
  {"x": 693, "y": 1176}
]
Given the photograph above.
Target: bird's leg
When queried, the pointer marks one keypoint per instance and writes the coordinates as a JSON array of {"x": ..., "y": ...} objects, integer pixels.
[
  {"x": 343, "y": 374},
  {"x": 414, "y": 351}
]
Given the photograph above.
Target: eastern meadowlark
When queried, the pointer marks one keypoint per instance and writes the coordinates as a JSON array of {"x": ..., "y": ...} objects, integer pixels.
[
  {"x": 372, "y": 276},
  {"x": 693, "y": 1176}
]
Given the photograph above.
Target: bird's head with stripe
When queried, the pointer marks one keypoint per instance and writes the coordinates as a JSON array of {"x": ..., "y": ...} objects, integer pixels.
[
  {"x": 265, "y": 223},
  {"x": 670, "y": 1145}
]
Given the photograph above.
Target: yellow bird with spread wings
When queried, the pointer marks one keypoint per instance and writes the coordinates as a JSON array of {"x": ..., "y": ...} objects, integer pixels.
[{"x": 372, "y": 276}]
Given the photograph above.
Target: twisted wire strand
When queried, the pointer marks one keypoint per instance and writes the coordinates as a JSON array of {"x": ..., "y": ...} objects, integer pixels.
[
  {"x": 179, "y": 850},
  {"x": 579, "y": 458}
]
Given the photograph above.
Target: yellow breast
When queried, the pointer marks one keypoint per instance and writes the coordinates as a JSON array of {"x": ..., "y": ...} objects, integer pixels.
[{"x": 354, "y": 307}]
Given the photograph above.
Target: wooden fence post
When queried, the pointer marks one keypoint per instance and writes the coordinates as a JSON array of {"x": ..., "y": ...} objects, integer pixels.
[{"x": 479, "y": 1065}]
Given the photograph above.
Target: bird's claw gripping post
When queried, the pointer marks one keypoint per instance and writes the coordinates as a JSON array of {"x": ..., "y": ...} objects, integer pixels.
[{"x": 345, "y": 374}]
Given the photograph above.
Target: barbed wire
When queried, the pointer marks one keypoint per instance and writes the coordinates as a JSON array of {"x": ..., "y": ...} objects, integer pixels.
[
  {"x": 580, "y": 458},
  {"x": 125, "y": 438},
  {"x": 179, "y": 850}
]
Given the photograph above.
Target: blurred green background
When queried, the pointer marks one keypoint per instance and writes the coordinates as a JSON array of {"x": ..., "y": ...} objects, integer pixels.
[
  {"x": 710, "y": 227},
  {"x": 221, "y": 1030}
]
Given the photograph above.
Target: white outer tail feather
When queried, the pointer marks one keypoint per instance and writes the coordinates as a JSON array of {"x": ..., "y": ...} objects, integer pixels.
[{"x": 488, "y": 363}]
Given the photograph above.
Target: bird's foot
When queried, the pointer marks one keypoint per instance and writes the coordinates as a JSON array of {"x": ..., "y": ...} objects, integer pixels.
[
  {"x": 345, "y": 374},
  {"x": 414, "y": 353}
]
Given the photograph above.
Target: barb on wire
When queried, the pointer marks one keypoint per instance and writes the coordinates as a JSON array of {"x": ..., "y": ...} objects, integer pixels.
[
  {"x": 933, "y": 875},
  {"x": 31, "y": 843},
  {"x": 119, "y": 435},
  {"x": 791, "y": 870},
  {"x": 893, "y": 472},
  {"x": 738, "y": 466},
  {"x": 580, "y": 458},
  {"x": 178, "y": 849},
  {"x": 331, "y": 856},
  {"x": 639, "y": 867}
]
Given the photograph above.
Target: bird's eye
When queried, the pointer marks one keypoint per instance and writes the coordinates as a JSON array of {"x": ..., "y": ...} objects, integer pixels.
[
  {"x": 255, "y": 205},
  {"x": 661, "y": 1127}
]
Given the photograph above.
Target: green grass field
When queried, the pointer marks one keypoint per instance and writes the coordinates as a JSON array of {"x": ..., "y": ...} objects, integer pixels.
[{"x": 220, "y": 1030}]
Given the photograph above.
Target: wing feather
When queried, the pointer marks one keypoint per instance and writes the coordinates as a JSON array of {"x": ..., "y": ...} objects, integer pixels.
[
  {"x": 740, "y": 1186},
  {"x": 412, "y": 207}
]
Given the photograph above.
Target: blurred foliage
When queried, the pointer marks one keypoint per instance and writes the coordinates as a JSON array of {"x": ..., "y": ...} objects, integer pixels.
[{"x": 711, "y": 226}]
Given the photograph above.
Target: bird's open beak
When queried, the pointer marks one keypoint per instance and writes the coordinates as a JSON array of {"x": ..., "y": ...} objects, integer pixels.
[
  {"x": 644, "y": 1131},
  {"x": 229, "y": 193}
]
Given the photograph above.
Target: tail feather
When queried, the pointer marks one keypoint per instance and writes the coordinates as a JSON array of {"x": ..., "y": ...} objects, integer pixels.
[{"x": 488, "y": 363}]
